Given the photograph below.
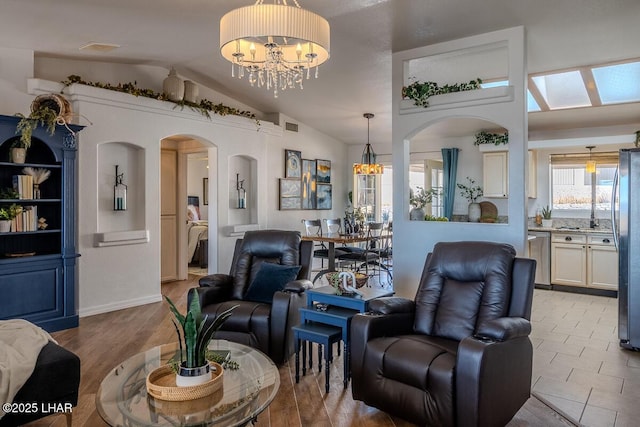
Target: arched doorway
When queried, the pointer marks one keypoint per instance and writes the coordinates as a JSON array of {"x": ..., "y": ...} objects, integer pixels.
[{"x": 188, "y": 206}]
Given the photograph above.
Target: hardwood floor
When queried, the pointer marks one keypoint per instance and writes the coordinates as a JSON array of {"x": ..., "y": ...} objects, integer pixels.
[{"x": 104, "y": 340}]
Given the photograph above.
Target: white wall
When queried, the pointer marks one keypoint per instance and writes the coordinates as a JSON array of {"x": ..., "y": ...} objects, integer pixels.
[
  {"x": 116, "y": 277},
  {"x": 412, "y": 240}
]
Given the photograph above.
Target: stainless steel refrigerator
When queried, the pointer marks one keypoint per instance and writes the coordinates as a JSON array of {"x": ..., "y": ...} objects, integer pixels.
[{"x": 628, "y": 240}]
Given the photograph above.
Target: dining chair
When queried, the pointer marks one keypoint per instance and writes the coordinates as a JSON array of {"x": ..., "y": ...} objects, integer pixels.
[
  {"x": 313, "y": 228},
  {"x": 369, "y": 255}
]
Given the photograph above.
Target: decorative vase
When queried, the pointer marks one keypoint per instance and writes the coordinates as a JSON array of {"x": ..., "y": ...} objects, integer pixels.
[
  {"x": 173, "y": 86},
  {"x": 547, "y": 223},
  {"x": 474, "y": 212},
  {"x": 36, "y": 191},
  {"x": 190, "y": 91},
  {"x": 5, "y": 226},
  {"x": 187, "y": 377},
  {"x": 417, "y": 214},
  {"x": 18, "y": 154}
]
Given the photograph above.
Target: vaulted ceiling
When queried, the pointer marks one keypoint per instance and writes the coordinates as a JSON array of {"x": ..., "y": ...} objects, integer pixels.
[{"x": 364, "y": 33}]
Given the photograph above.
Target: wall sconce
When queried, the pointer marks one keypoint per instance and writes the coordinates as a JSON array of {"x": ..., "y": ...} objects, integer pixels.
[
  {"x": 119, "y": 193},
  {"x": 242, "y": 193}
]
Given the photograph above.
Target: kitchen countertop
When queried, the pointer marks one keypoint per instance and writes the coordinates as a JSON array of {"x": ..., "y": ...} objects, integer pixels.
[{"x": 596, "y": 230}]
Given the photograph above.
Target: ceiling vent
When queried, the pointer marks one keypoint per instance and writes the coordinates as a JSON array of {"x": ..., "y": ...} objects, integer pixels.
[
  {"x": 293, "y": 127},
  {"x": 100, "y": 47}
]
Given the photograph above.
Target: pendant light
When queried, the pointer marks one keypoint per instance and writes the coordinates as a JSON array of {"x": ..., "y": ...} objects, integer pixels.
[
  {"x": 368, "y": 165},
  {"x": 591, "y": 164}
]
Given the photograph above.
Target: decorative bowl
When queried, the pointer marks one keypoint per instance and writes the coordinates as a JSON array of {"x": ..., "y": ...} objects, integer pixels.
[{"x": 337, "y": 282}]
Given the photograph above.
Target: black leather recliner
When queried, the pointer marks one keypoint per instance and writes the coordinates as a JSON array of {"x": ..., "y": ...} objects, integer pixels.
[
  {"x": 459, "y": 354},
  {"x": 264, "y": 326}
]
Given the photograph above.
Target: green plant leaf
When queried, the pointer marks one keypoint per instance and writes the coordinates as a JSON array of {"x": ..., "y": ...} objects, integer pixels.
[
  {"x": 207, "y": 335},
  {"x": 179, "y": 317},
  {"x": 190, "y": 338}
]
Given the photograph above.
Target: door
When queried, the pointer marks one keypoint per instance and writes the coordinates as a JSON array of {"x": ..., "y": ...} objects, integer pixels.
[
  {"x": 168, "y": 215},
  {"x": 603, "y": 267},
  {"x": 496, "y": 174}
]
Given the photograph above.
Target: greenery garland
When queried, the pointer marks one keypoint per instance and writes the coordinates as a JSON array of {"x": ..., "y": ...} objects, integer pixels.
[
  {"x": 483, "y": 137},
  {"x": 204, "y": 107},
  {"x": 420, "y": 92}
]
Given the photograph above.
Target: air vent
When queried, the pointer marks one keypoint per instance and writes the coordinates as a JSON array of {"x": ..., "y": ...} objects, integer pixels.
[
  {"x": 293, "y": 127},
  {"x": 100, "y": 47}
]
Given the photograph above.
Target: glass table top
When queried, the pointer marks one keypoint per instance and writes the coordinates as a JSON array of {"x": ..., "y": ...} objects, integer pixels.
[{"x": 122, "y": 399}]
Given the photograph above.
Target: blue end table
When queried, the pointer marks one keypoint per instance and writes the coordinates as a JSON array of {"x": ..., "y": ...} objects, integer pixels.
[{"x": 338, "y": 310}]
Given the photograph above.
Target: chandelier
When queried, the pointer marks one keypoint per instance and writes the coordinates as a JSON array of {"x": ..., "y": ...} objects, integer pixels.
[
  {"x": 368, "y": 165},
  {"x": 276, "y": 45}
]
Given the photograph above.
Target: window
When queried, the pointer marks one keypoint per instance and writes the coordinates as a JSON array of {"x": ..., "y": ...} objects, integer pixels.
[{"x": 575, "y": 190}]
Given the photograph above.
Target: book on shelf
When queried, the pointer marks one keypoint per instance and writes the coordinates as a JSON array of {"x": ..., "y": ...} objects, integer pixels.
[
  {"x": 23, "y": 184},
  {"x": 27, "y": 220}
]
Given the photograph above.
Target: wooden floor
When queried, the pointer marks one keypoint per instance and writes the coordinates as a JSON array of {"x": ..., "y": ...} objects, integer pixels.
[{"x": 104, "y": 340}]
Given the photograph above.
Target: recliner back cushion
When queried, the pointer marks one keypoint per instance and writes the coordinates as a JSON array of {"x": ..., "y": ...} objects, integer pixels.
[
  {"x": 463, "y": 284},
  {"x": 275, "y": 246}
]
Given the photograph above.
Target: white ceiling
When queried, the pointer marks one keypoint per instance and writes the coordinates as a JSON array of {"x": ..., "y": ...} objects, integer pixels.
[{"x": 364, "y": 33}]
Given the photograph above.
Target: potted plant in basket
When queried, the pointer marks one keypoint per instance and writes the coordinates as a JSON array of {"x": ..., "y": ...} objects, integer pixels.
[
  {"x": 418, "y": 200},
  {"x": 42, "y": 116},
  {"x": 546, "y": 217},
  {"x": 194, "y": 334},
  {"x": 472, "y": 192},
  {"x": 7, "y": 214}
]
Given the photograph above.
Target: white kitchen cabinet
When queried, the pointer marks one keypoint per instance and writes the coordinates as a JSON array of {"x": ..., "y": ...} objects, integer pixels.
[
  {"x": 568, "y": 264},
  {"x": 495, "y": 174},
  {"x": 584, "y": 260},
  {"x": 532, "y": 182},
  {"x": 602, "y": 262}
]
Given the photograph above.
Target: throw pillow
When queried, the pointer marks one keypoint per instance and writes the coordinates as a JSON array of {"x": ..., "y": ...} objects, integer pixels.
[{"x": 269, "y": 279}]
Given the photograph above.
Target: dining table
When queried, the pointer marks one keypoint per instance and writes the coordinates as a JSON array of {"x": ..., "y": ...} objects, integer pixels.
[{"x": 343, "y": 239}]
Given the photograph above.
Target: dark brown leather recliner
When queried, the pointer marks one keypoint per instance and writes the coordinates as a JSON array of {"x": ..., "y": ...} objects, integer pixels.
[
  {"x": 460, "y": 354},
  {"x": 262, "y": 325}
]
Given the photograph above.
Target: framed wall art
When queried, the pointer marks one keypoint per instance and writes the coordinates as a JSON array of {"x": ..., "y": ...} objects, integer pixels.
[
  {"x": 323, "y": 196},
  {"x": 205, "y": 191},
  {"x": 290, "y": 194},
  {"x": 323, "y": 171},
  {"x": 308, "y": 184},
  {"x": 292, "y": 164}
]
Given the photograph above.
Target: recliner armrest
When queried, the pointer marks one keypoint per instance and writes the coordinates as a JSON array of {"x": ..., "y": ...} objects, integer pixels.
[
  {"x": 298, "y": 286},
  {"x": 504, "y": 328},
  {"x": 392, "y": 305},
  {"x": 214, "y": 288}
]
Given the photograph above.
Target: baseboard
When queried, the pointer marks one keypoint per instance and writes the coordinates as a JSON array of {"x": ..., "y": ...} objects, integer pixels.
[
  {"x": 588, "y": 291},
  {"x": 99, "y": 309}
]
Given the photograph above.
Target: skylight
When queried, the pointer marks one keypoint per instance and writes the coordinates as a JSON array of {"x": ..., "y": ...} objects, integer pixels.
[
  {"x": 532, "y": 105},
  {"x": 563, "y": 90},
  {"x": 618, "y": 83}
]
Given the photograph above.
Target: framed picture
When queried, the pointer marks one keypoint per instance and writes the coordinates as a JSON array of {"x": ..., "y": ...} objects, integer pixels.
[
  {"x": 323, "y": 196},
  {"x": 290, "y": 194},
  {"x": 323, "y": 171},
  {"x": 205, "y": 191},
  {"x": 292, "y": 164},
  {"x": 308, "y": 184}
]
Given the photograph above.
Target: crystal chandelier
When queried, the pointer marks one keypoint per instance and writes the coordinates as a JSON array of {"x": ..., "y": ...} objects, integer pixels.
[
  {"x": 276, "y": 45},
  {"x": 368, "y": 165}
]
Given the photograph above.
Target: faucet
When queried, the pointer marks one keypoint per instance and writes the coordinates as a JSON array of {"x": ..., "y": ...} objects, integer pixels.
[{"x": 593, "y": 222}]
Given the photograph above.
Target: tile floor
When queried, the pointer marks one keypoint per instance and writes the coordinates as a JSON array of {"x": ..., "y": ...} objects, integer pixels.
[{"x": 578, "y": 366}]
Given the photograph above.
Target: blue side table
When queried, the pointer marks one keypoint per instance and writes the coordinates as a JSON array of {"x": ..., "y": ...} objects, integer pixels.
[{"x": 340, "y": 311}]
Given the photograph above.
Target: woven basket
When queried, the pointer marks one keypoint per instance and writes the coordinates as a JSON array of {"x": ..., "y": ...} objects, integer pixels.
[
  {"x": 186, "y": 407},
  {"x": 161, "y": 384},
  {"x": 57, "y": 103}
]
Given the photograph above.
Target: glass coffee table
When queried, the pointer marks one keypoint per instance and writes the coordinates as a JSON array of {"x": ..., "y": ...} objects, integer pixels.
[{"x": 122, "y": 399}]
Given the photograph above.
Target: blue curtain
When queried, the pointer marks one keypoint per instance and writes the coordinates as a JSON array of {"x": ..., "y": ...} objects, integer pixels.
[{"x": 450, "y": 169}]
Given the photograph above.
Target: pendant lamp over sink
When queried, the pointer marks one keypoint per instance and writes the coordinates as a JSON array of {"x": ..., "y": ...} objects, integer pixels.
[
  {"x": 591, "y": 164},
  {"x": 368, "y": 165}
]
